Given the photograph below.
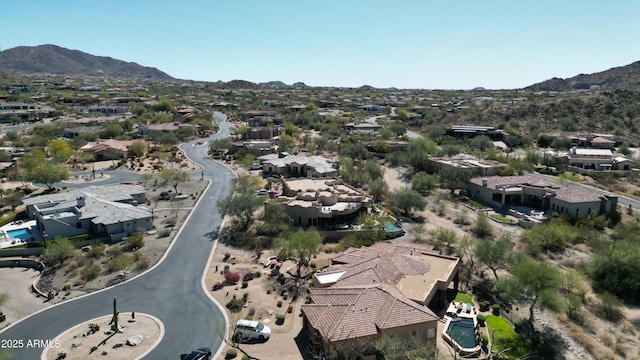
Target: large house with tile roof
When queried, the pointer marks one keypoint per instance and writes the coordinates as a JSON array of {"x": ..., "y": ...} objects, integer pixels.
[
  {"x": 504, "y": 192},
  {"x": 111, "y": 211},
  {"x": 387, "y": 289}
]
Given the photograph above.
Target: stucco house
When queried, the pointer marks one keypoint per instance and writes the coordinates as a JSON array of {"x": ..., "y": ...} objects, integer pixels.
[
  {"x": 111, "y": 211},
  {"x": 476, "y": 167},
  {"x": 299, "y": 166},
  {"x": 322, "y": 203},
  {"x": 382, "y": 290},
  {"x": 504, "y": 192},
  {"x": 596, "y": 160}
]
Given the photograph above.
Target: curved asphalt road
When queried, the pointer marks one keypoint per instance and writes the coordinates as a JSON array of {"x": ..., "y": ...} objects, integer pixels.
[{"x": 171, "y": 291}]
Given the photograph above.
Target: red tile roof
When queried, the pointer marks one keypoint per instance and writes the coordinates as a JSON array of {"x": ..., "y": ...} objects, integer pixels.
[{"x": 346, "y": 313}]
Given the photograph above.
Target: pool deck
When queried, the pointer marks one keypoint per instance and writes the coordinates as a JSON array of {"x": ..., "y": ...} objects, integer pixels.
[
  {"x": 460, "y": 309},
  {"x": 6, "y": 241}
]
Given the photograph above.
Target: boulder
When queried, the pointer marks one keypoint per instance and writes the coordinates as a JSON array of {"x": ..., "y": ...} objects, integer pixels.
[{"x": 135, "y": 340}]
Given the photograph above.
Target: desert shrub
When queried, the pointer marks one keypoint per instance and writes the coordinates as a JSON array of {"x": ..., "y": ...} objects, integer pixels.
[
  {"x": 245, "y": 284},
  {"x": 134, "y": 241},
  {"x": 142, "y": 263},
  {"x": 280, "y": 319},
  {"x": 279, "y": 304},
  {"x": 231, "y": 354},
  {"x": 247, "y": 277},
  {"x": 245, "y": 357},
  {"x": 96, "y": 250},
  {"x": 235, "y": 305},
  {"x": 483, "y": 306},
  {"x": 119, "y": 263},
  {"x": 164, "y": 233},
  {"x": 608, "y": 307},
  {"x": 495, "y": 309},
  {"x": 616, "y": 269},
  {"x": 90, "y": 272},
  {"x": 290, "y": 309},
  {"x": 231, "y": 277},
  {"x": 481, "y": 319}
]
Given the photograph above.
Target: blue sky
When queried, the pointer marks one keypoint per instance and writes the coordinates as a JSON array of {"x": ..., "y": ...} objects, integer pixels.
[{"x": 405, "y": 44}]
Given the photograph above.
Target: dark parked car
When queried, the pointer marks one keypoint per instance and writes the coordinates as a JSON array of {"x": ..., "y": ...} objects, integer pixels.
[{"x": 202, "y": 353}]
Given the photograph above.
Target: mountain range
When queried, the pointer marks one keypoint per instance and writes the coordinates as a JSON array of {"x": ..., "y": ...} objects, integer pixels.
[
  {"x": 53, "y": 59},
  {"x": 623, "y": 77}
]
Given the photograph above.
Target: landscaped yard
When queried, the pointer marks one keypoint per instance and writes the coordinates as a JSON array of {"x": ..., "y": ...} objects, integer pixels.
[
  {"x": 501, "y": 218},
  {"x": 465, "y": 297},
  {"x": 504, "y": 337},
  {"x": 475, "y": 204}
]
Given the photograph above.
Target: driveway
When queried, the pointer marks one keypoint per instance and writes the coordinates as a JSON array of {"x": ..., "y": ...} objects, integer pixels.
[{"x": 171, "y": 291}]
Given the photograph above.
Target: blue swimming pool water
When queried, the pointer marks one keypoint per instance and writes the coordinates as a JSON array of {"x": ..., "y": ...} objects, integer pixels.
[
  {"x": 462, "y": 332},
  {"x": 391, "y": 227},
  {"x": 18, "y": 234}
]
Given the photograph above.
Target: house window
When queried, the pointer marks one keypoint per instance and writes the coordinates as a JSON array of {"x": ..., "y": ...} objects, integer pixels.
[{"x": 431, "y": 333}]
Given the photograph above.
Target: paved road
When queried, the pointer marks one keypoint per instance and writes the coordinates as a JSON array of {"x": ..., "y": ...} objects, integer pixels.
[{"x": 171, "y": 291}]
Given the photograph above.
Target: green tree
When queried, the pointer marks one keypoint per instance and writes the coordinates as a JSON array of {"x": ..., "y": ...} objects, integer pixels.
[
  {"x": 275, "y": 220},
  {"x": 481, "y": 143},
  {"x": 32, "y": 159},
  {"x": 219, "y": 146},
  {"x": 453, "y": 178},
  {"x": 493, "y": 254},
  {"x": 378, "y": 189},
  {"x": 60, "y": 150},
  {"x": 423, "y": 182},
  {"x": 164, "y": 104},
  {"x": 616, "y": 268},
  {"x": 407, "y": 199},
  {"x": 242, "y": 206},
  {"x": 47, "y": 173},
  {"x": 533, "y": 283},
  {"x": 111, "y": 131},
  {"x": 137, "y": 149},
  {"x": 174, "y": 177},
  {"x": 58, "y": 251},
  {"x": 482, "y": 228},
  {"x": 300, "y": 246}
]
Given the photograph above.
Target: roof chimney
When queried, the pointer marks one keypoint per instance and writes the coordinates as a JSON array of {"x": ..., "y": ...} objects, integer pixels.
[
  {"x": 80, "y": 201},
  {"x": 484, "y": 182}
]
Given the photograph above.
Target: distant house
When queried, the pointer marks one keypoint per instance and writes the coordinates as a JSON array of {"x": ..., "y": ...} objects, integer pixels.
[
  {"x": 602, "y": 142},
  {"x": 361, "y": 128},
  {"x": 255, "y": 147},
  {"x": 476, "y": 167},
  {"x": 108, "y": 149},
  {"x": 23, "y": 111},
  {"x": 322, "y": 203},
  {"x": 299, "y": 166},
  {"x": 383, "y": 290},
  {"x": 112, "y": 211},
  {"x": 107, "y": 110},
  {"x": 371, "y": 108},
  {"x": 596, "y": 160},
  {"x": 505, "y": 192},
  {"x": 465, "y": 131},
  {"x": 74, "y": 132}
]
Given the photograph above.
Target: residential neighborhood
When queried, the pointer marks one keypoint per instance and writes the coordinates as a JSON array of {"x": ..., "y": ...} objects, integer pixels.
[{"x": 346, "y": 221}]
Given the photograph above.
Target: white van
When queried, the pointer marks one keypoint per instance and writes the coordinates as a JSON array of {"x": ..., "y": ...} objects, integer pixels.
[{"x": 252, "y": 329}]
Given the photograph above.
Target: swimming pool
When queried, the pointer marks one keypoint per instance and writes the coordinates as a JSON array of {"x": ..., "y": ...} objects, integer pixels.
[
  {"x": 462, "y": 331},
  {"x": 391, "y": 227},
  {"x": 19, "y": 234}
]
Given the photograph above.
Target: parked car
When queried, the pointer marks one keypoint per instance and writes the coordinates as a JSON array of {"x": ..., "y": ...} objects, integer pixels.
[
  {"x": 262, "y": 192},
  {"x": 202, "y": 353},
  {"x": 252, "y": 329}
]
